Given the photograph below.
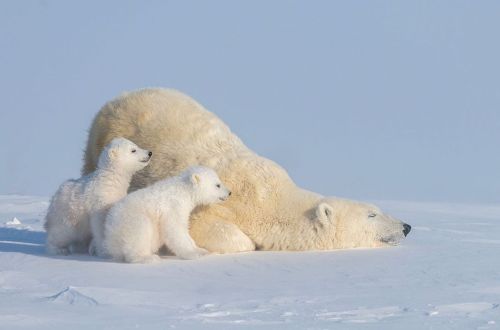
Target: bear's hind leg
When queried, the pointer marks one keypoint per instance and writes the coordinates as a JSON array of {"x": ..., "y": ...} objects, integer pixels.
[
  {"x": 137, "y": 243},
  {"x": 220, "y": 236},
  {"x": 59, "y": 240}
]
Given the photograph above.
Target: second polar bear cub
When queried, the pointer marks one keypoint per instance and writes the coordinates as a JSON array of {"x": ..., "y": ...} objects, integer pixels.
[
  {"x": 78, "y": 208},
  {"x": 140, "y": 224}
]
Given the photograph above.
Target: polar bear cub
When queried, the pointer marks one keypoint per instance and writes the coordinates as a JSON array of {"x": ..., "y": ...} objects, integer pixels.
[
  {"x": 140, "y": 224},
  {"x": 78, "y": 208}
]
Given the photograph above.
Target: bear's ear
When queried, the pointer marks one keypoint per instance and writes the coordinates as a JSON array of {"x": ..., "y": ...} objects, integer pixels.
[
  {"x": 324, "y": 214},
  {"x": 112, "y": 152},
  {"x": 195, "y": 178}
]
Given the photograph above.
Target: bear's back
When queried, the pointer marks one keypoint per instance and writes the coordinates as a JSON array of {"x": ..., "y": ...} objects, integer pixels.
[{"x": 178, "y": 130}]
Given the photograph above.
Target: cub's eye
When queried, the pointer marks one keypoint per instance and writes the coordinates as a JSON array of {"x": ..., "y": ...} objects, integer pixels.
[
  {"x": 372, "y": 215},
  {"x": 133, "y": 150},
  {"x": 217, "y": 185}
]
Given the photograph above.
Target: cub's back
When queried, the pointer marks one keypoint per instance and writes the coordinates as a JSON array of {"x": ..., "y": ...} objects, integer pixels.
[{"x": 68, "y": 203}]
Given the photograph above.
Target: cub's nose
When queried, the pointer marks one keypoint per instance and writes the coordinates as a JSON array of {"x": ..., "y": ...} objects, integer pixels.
[
  {"x": 229, "y": 193},
  {"x": 406, "y": 229},
  {"x": 150, "y": 153}
]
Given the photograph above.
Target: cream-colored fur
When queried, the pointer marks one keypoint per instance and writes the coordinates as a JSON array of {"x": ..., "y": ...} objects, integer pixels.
[
  {"x": 266, "y": 211},
  {"x": 78, "y": 208}
]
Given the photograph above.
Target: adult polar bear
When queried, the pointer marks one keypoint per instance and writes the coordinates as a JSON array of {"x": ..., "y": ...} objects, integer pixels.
[{"x": 266, "y": 210}]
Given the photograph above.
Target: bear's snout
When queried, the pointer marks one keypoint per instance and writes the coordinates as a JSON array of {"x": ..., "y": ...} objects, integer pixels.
[
  {"x": 150, "y": 154},
  {"x": 406, "y": 229},
  {"x": 225, "y": 197}
]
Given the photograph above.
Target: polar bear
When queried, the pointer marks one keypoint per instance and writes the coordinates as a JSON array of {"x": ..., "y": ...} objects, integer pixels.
[
  {"x": 77, "y": 210},
  {"x": 141, "y": 223},
  {"x": 266, "y": 211}
]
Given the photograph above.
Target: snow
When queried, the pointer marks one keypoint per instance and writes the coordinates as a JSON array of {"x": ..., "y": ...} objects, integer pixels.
[
  {"x": 445, "y": 275},
  {"x": 14, "y": 222}
]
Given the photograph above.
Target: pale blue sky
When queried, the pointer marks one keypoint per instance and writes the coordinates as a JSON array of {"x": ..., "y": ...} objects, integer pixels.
[{"x": 362, "y": 99}]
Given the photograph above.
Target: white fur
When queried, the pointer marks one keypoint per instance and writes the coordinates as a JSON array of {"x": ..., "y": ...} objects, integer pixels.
[
  {"x": 140, "y": 224},
  {"x": 78, "y": 208}
]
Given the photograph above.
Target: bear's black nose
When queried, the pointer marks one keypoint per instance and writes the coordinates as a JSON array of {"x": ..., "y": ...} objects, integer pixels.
[
  {"x": 229, "y": 194},
  {"x": 150, "y": 153},
  {"x": 406, "y": 229}
]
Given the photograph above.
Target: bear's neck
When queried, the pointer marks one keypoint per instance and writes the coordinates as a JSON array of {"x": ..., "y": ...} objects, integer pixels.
[
  {"x": 178, "y": 188},
  {"x": 115, "y": 178},
  {"x": 297, "y": 238},
  {"x": 298, "y": 230}
]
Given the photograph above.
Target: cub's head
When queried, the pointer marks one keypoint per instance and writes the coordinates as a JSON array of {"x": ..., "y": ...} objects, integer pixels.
[
  {"x": 354, "y": 224},
  {"x": 123, "y": 154},
  {"x": 207, "y": 186}
]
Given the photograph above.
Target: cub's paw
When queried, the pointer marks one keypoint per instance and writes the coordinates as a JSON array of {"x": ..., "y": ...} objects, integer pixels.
[
  {"x": 150, "y": 259},
  {"x": 193, "y": 254},
  {"x": 202, "y": 252},
  {"x": 61, "y": 251}
]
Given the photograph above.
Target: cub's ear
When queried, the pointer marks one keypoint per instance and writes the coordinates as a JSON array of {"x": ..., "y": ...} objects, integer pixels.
[
  {"x": 112, "y": 152},
  {"x": 324, "y": 214},
  {"x": 195, "y": 178}
]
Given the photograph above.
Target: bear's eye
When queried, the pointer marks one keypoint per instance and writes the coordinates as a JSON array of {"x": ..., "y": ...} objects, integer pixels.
[
  {"x": 133, "y": 150},
  {"x": 372, "y": 215},
  {"x": 217, "y": 185}
]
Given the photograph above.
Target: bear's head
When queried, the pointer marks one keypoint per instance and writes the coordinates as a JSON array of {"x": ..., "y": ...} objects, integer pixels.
[
  {"x": 207, "y": 186},
  {"x": 353, "y": 224},
  {"x": 123, "y": 155}
]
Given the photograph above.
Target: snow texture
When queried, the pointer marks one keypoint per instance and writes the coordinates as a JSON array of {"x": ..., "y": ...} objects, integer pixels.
[{"x": 445, "y": 275}]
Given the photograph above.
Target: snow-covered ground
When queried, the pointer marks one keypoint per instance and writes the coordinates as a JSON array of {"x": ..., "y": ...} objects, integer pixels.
[{"x": 445, "y": 275}]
